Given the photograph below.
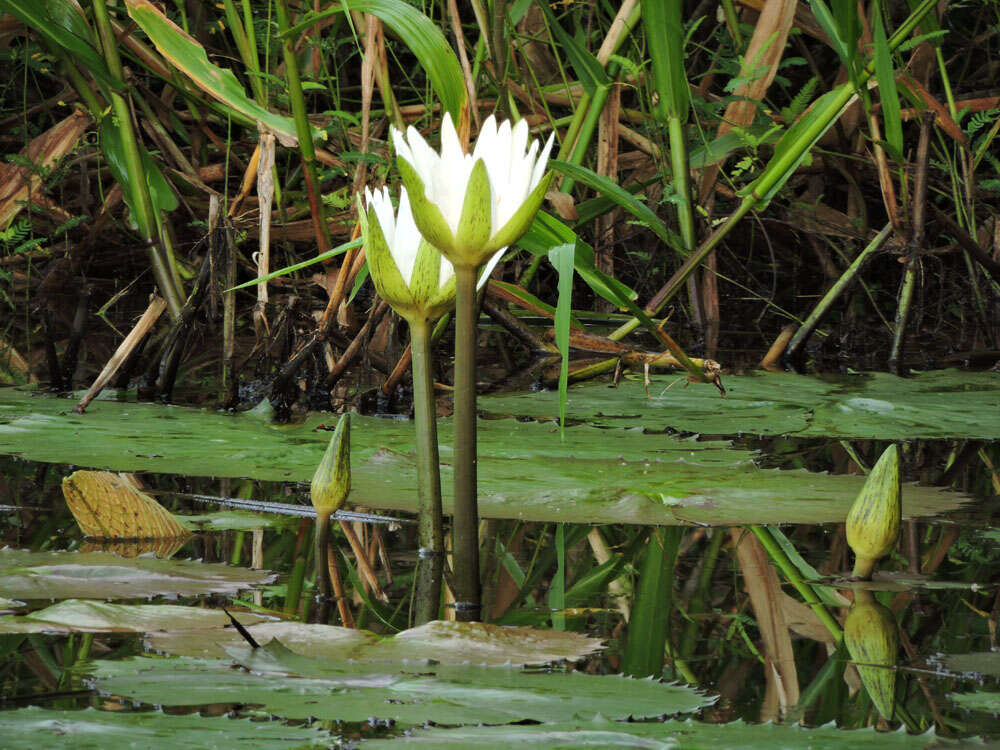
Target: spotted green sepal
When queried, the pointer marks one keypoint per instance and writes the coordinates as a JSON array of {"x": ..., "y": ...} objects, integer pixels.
[
  {"x": 426, "y": 276},
  {"x": 382, "y": 266},
  {"x": 872, "y": 640},
  {"x": 874, "y": 519},
  {"x": 427, "y": 216},
  {"x": 518, "y": 224},
  {"x": 476, "y": 223},
  {"x": 331, "y": 484}
]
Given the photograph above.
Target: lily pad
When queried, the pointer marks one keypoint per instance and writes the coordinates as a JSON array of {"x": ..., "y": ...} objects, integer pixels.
[
  {"x": 661, "y": 735},
  {"x": 408, "y": 693},
  {"x": 102, "y": 575},
  {"x": 981, "y": 700},
  {"x": 441, "y": 642},
  {"x": 525, "y": 470},
  {"x": 80, "y": 616},
  {"x": 940, "y": 404},
  {"x": 89, "y": 729},
  {"x": 986, "y": 663}
]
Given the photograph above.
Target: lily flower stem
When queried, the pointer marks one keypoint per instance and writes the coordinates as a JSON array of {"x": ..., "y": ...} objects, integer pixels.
[
  {"x": 465, "y": 523},
  {"x": 324, "y": 589},
  {"x": 429, "y": 523}
]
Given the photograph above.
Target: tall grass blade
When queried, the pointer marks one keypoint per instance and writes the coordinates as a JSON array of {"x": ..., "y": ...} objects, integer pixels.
[
  {"x": 423, "y": 38},
  {"x": 887, "y": 87},
  {"x": 562, "y": 259},
  {"x": 648, "y": 629}
]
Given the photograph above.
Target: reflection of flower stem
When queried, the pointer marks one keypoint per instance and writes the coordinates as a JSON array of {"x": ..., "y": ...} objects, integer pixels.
[
  {"x": 429, "y": 529},
  {"x": 465, "y": 524},
  {"x": 794, "y": 577},
  {"x": 324, "y": 589}
]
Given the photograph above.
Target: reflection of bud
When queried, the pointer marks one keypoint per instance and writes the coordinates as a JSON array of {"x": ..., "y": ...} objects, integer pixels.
[
  {"x": 332, "y": 481},
  {"x": 871, "y": 638},
  {"x": 873, "y": 522}
]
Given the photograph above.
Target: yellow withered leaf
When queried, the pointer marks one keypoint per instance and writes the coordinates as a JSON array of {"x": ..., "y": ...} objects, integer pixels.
[{"x": 110, "y": 506}]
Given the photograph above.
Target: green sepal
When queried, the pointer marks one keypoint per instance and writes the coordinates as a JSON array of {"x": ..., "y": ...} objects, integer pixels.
[
  {"x": 518, "y": 224},
  {"x": 441, "y": 302},
  {"x": 426, "y": 275},
  {"x": 382, "y": 266},
  {"x": 331, "y": 484},
  {"x": 476, "y": 224},
  {"x": 427, "y": 216}
]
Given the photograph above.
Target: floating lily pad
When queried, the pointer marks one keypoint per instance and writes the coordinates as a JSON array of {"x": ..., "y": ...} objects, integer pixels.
[
  {"x": 442, "y": 642},
  {"x": 236, "y": 520},
  {"x": 981, "y": 700},
  {"x": 940, "y": 404},
  {"x": 525, "y": 470},
  {"x": 408, "y": 693},
  {"x": 985, "y": 663},
  {"x": 80, "y": 616},
  {"x": 89, "y": 729},
  {"x": 662, "y": 735},
  {"x": 102, "y": 575}
]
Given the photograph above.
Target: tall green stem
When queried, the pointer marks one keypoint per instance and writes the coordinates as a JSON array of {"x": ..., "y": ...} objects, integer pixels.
[
  {"x": 429, "y": 524},
  {"x": 465, "y": 523},
  {"x": 787, "y": 567},
  {"x": 324, "y": 587},
  {"x": 137, "y": 187}
]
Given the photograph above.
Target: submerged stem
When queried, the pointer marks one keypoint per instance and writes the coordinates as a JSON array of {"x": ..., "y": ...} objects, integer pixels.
[
  {"x": 465, "y": 524},
  {"x": 430, "y": 533},
  {"x": 324, "y": 589}
]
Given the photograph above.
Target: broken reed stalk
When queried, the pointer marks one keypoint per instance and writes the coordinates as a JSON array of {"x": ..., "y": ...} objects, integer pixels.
[
  {"x": 842, "y": 284},
  {"x": 906, "y": 290},
  {"x": 156, "y": 307}
]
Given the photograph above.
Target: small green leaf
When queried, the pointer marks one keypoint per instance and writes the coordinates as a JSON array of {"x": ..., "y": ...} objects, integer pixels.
[
  {"x": 886, "y": 77},
  {"x": 562, "y": 258}
]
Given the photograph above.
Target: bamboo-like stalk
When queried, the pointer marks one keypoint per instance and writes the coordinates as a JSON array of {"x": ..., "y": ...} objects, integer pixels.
[
  {"x": 139, "y": 188},
  {"x": 303, "y": 129},
  {"x": 430, "y": 533},
  {"x": 465, "y": 523}
]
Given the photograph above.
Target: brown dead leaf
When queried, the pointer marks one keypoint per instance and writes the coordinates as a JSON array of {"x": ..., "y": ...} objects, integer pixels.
[
  {"x": 563, "y": 204},
  {"x": 110, "y": 506},
  {"x": 17, "y": 182}
]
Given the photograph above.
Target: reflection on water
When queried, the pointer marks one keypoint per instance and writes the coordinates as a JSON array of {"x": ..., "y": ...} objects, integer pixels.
[{"x": 739, "y": 631}]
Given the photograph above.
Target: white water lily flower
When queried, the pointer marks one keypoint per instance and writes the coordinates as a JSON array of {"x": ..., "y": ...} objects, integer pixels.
[
  {"x": 472, "y": 206},
  {"x": 409, "y": 273}
]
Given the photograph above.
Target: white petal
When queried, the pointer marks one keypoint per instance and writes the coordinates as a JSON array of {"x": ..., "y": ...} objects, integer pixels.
[
  {"x": 382, "y": 204},
  {"x": 539, "y": 170},
  {"x": 425, "y": 159},
  {"x": 484, "y": 275},
  {"x": 402, "y": 147},
  {"x": 451, "y": 147},
  {"x": 447, "y": 271},
  {"x": 518, "y": 141},
  {"x": 407, "y": 243}
]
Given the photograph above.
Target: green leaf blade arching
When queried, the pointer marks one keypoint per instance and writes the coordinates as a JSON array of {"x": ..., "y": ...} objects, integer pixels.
[
  {"x": 188, "y": 56},
  {"x": 421, "y": 36},
  {"x": 623, "y": 198}
]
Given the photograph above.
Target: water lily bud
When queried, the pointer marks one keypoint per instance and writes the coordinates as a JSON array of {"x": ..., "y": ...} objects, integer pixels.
[
  {"x": 332, "y": 481},
  {"x": 873, "y": 522},
  {"x": 472, "y": 206},
  {"x": 872, "y": 640}
]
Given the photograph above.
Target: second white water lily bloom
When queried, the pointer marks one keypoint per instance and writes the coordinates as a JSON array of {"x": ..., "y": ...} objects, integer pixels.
[
  {"x": 409, "y": 273},
  {"x": 472, "y": 206}
]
